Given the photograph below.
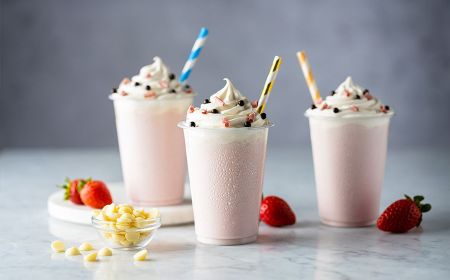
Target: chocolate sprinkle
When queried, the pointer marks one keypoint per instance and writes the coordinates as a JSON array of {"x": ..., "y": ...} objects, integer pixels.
[
  {"x": 313, "y": 106},
  {"x": 387, "y": 107},
  {"x": 114, "y": 90},
  {"x": 172, "y": 91},
  {"x": 192, "y": 124},
  {"x": 186, "y": 86},
  {"x": 172, "y": 76},
  {"x": 206, "y": 101},
  {"x": 241, "y": 102},
  {"x": 332, "y": 93},
  {"x": 263, "y": 116},
  {"x": 148, "y": 88},
  {"x": 336, "y": 110},
  {"x": 215, "y": 111},
  {"x": 357, "y": 96},
  {"x": 366, "y": 91},
  {"x": 137, "y": 84},
  {"x": 248, "y": 124}
]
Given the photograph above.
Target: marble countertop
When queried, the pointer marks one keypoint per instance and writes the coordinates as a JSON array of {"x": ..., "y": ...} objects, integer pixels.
[{"x": 306, "y": 250}]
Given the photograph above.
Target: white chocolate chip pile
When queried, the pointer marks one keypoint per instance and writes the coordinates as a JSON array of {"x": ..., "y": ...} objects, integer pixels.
[
  {"x": 59, "y": 247},
  {"x": 124, "y": 225}
]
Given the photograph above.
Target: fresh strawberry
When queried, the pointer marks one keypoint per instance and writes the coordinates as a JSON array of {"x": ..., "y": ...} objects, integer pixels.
[
  {"x": 95, "y": 194},
  {"x": 72, "y": 188},
  {"x": 403, "y": 215},
  {"x": 276, "y": 212}
]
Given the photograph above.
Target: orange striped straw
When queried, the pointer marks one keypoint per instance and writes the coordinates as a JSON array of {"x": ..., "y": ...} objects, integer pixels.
[{"x": 310, "y": 82}]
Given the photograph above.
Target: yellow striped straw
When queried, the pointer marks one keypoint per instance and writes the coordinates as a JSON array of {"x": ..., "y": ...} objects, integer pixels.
[
  {"x": 269, "y": 84},
  {"x": 306, "y": 68}
]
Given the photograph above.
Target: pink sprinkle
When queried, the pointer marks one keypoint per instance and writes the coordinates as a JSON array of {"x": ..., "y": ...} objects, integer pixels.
[
  {"x": 355, "y": 108},
  {"x": 123, "y": 93},
  {"x": 204, "y": 112},
  {"x": 325, "y": 106},
  {"x": 163, "y": 84},
  {"x": 191, "y": 109},
  {"x": 149, "y": 94},
  {"x": 219, "y": 101},
  {"x": 368, "y": 96},
  {"x": 226, "y": 122},
  {"x": 125, "y": 81},
  {"x": 347, "y": 93},
  {"x": 383, "y": 109},
  {"x": 188, "y": 91},
  {"x": 251, "y": 117},
  {"x": 149, "y": 76},
  {"x": 254, "y": 103}
]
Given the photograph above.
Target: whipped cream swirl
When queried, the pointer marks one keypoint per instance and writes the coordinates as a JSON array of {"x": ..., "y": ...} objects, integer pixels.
[
  {"x": 153, "y": 81},
  {"x": 349, "y": 100},
  {"x": 226, "y": 108}
]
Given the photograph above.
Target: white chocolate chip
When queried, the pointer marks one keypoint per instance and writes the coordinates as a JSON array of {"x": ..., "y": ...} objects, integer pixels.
[
  {"x": 85, "y": 246},
  {"x": 132, "y": 236},
  {"x": 126, "y": 243},
  {"x": 72, "y": 251},
  {"x": 141, "y": 255},
  {"x": 105, "y": 252},
  {"x": 127, "y": 216},
  {"x": 58, "y": 246},
  {"x": 140, "y": 222},
  {"x": 125, "y": 209},
  {"x": 118, "y": 237},
  {"x": 92, "y": 257}
]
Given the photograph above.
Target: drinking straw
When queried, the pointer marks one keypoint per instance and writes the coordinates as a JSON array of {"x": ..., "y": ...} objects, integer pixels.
[
  {"x": 310, "y": 82},
  {"x": 269, "y": 84},
  {"x": 195, "y": 52}
]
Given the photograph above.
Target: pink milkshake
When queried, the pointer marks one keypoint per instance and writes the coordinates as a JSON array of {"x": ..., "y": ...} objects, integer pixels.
[
  {"x": 349, "y": 132},
  {"x": 148, "y": 108},
  {"x": 226, "y": 143}
]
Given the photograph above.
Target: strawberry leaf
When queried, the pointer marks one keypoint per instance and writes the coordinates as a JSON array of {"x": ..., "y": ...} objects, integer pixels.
[
  {"x": 66, "y": 189},
  {"x": 81, "y": 184},
  {"x": 418, "y": 198},
  {"x": 425, "y": 208}
]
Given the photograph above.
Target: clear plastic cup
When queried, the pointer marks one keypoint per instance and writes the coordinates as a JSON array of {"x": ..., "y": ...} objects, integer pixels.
[
  {"x": 226, "y": 172},
  {"x": 152, "y": 150},
  {"x": 349, "y": 158}
]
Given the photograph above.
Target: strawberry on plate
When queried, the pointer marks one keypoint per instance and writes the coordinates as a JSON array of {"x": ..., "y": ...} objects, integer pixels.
[
  {"x": 95, "y": 194},
  {"x": 72, "y": 188},
  {"x": 403, "y": 215},
  {"x": 276, "y": 212}
]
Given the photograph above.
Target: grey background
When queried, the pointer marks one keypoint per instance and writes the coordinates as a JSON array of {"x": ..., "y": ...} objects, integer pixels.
[{"x": 59, "y": 60}]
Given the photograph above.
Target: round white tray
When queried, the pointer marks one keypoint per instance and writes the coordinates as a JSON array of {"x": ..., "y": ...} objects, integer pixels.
[{"x": 80, "y": 214}]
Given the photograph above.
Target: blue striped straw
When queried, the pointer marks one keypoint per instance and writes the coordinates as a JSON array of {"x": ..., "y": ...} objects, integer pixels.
[{"x": 195, "y": 52}]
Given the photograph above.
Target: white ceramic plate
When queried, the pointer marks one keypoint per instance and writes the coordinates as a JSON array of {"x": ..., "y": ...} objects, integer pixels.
[{"x": 80, "y": 214}]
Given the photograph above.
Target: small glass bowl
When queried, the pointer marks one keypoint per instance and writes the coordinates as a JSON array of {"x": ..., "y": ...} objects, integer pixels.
[{"x": 127, "y": 236}]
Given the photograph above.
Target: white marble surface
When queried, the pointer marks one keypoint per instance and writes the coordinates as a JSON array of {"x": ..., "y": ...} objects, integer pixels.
[{"x": 306, "y": 250}]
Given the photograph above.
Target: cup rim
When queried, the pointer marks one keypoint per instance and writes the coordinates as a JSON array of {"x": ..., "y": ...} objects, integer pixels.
[
  {"x": 183, "y": 125},
  {"x": 155, "y": 100},
  {"x": 356, "y": 117}
]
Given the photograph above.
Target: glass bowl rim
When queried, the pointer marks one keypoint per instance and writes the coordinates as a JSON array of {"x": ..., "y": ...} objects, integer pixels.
[{"x": 154, "y": 224}]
